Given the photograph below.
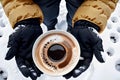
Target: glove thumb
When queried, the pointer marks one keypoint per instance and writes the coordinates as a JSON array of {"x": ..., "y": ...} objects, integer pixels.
[
  {"x": 10, "y": 54},
  {"x": 99, "y": 56}
]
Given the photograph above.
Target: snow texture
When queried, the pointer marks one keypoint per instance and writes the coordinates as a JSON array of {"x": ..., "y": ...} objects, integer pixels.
[{"x": 110, "y": 70}]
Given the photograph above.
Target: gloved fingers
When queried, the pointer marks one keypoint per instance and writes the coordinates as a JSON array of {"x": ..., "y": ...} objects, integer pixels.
[
  {"x": 98, "y": 45},
  {"x": 97, "y": 49},
  {"x": 79, "y": 71},
  {"x": 33, "y": 74},
  {"x": 15, "y": 36},
  {"x": 11, "y": 40},
  {"x": 28, "y": 72},
  {"x": 82, "y": 66},
  {"x": 104, "y": 55},
  {"x": 37, "y": 70},
  {"x": 33, "y": 77},
  {"x": 11, "y": 53},
  {"x": 13, "y": 43},
  {"x": 22, "y": 66},
  {"x": 24, "y": 70},
  {"x": 69, "y": 75},
  {"x": 99, "y": 56},
  {"x": 33, "y": 71},
  {"x": 95, "y": 40}
]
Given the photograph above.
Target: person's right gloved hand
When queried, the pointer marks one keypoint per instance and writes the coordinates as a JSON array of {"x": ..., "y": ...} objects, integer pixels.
[
  {"x": 20, "y": 46},
  {"x": 90, "y": 43}
]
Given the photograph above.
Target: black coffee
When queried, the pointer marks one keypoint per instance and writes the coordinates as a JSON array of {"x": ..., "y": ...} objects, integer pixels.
[{"x": 56, "y": 52}]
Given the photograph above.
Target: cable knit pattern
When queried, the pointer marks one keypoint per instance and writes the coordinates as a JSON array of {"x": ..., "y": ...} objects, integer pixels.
[
  {"x": 18, "y": 10},
  {"x": 95, "y": 11}
]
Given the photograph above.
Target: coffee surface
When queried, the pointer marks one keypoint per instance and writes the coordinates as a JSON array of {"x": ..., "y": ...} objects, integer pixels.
[{"x": 56, "y": 52}]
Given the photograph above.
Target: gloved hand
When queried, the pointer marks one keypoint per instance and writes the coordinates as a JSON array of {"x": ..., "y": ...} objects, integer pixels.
[
  {"x": 28, "y": 68},
  {"x": 90, "y": 43},
  {"x": 20, "y": 46}
]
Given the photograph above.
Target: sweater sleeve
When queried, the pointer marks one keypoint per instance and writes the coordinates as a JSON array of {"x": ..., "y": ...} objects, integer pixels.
[
  {"x": 95, "y": 11},
  {"x": 17, "y": 10}
]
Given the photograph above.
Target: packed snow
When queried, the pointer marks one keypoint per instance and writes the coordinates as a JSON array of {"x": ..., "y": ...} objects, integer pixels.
[{"x": 110, "y": 70}]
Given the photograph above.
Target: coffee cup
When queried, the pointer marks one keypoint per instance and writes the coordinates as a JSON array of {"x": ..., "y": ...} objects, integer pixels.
[{"x": 56, "y": 52}]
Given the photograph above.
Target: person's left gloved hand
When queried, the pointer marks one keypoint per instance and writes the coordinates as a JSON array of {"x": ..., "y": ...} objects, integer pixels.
[
  {"x": 90, "y": 43},
  {"x": 20, "y": 46}
]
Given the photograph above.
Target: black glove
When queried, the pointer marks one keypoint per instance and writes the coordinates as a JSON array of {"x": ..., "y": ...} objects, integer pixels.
[
  {"x": 90, "y": 43},
  {"x": 20, "y": 45},
  {"x": 27, "y": 68}
]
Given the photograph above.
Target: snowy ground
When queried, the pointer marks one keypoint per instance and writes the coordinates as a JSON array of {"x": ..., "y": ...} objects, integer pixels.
[{"x": 110, "y": 70}]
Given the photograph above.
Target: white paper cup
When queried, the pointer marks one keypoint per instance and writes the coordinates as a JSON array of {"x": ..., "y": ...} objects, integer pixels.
[{"x": 56, "y": 52}]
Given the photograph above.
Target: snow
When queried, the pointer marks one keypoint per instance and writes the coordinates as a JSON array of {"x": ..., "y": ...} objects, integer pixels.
[{"x": 110, "y": 70}]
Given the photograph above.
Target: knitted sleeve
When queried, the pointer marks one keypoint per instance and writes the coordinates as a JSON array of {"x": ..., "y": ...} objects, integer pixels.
[
  {"x": 95, "y": 11},
  {"x": 17, "y": 10}
]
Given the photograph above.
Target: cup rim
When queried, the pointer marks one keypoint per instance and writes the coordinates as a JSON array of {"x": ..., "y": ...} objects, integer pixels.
[{"x": 58, "y": 32}]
